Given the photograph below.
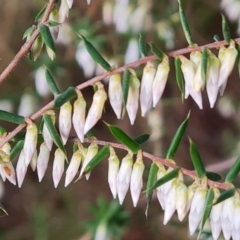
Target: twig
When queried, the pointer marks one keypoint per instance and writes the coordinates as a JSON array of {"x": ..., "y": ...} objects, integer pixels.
[{"x": 27, "y": 45}]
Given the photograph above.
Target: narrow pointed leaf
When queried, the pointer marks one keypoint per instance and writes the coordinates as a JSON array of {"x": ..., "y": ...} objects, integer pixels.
[
  {"x": 126, "y": 82},
  {"x": 204, "y": 66},
  {"x": 10, "y": 117},
  {"x": 166, "y": 178},
  {"x": 196, "y": 160},
  {"x": 156, "y": 51},
  {"x": 213, "y": 176},
  {"x": 46, "y": 36},
  {"x": 185, "y": 25},
  {"x": 97, "y": 158},
  {"x": 40, "y": 14},
  {"x": 97, "y": 57},
  {"x": 3, "y": 209},
  {"x": 2, "y": 130},
  {"x": 177, "y": 138},
  {"x": 225, "y": 195},
  {"x": 225, "y": 30},
  {"x": 121, "y": 136},
  {"x": 64, "y": 97},
  {"x": 51, "y": 83},
  {"x": 29, "y": 31},
  {"x": 152, "y": 177},
  {"x": 53, "y": 132},
  {"x": 16, "y": 149},
  {"x": 233, "y": 172},
  {"x": 238, "y": 59},
  {"x": 142, "y": 138},
  {"x": 142, "y": 46},
  {"x": 179, "y": 75},
  {"x": 207, "y": 209}
]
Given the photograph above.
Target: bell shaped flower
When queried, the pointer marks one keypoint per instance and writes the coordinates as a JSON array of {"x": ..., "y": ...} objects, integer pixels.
[
  {"x": 42, "y": 161},
  {"x": 160, "y": 80},
  {"x": 136, "y": 182},
  {"x": 33, "y": 162},
  {"x": 236, "y": 220},
  {"x": 146, "y": 94},
  {"x": 21, "y": 169},
  {"x": 181, "y": 201},
  {"x": 65, "y": 121},
  {"x": 8, "y": 171},
  {"x": 115, "y": 94},
  {"x": 113, "y": 169},
  {"x": 133, "y": 95},
  {"x": 96, "y": 109},
  {"x": 124, "y": 176},
  {"x": 160, "y": 190}
]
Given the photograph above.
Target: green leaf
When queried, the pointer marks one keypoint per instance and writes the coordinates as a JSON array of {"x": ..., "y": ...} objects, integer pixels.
[
  {"x": 40, "y": 14},
  {"x": 97, "y": 57},
  {"x": 213, "y": 176},
  {"x": 53, "y": 23},
  {"x": 3, "y": 209},
  {"x": 169, "y": 176},
  {"x": 97, "y": 159},
  {"x": 196, "y": 160},
  {"x": 2, "y": 130},
  {"x": 75, "y": 147},
  {"x": 179, "y": 75},
  {"x": 225, "y": 195},
  {"x": 53, "y": 132},
  {"x": 204, "y": 66},
  {"x": 142, "y": 46},
  {"x": 233, "y": 172},
  {"x": 46, "y": 36},
  {"x": 225, "y": 30},
  {"x": 156, "y": 51},
  {"x": 51, "y": 82},
  {"x": 29, "y": 32},
  {"x": 152, "y": 177},
  {"x": 185, "y": 25},
  {"x": 16, "y": 149},
  {"x": 121, "y": 136},
  {"x": 142, "y": 138},
  {"x": 64, "y": 97},
  {"x": 207, "y": 209},
  {"x": 177, "y": 138},
  {"x": 238, "y": 59},
  {"x": 126, "y": 82},
  {"x": 10, "y": 117}
]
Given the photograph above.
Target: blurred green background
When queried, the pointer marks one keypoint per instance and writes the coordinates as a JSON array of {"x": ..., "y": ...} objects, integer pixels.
[{"x": 40, "y": 212}]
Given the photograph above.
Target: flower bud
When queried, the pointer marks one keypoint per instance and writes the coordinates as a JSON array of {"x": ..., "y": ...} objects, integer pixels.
[
  {"x": 181, "y": 201},
  {"x": 21, "y": 169},
  {"x": 33, "y": 162},
  {"x": 58, "y": 166},
  {"x": 79, "y": 111},
  {"x": 30, "y": 142},
  {"x": 9, "y": 172},
  {"x": 96, "y": 109},
  {"x": 50, "y": 53},
  {"x": 133, "y": 95},
  {"x": 115, "y": 94},
  {"x": 91, "y": 152},
  {"x": 73, "y": 167},
  {"x": 42, "y": 161},
  {"x": 160, "y": 190},
  {"x": 196, "y": 58},
  {"x": 36, "y": 48},
  {"x": 124, "y": 177},
  {"x": 146, "y": 88},
  {"x": 6, "y": 148},
  {"x": 54, "y": 17},
  {"x": 137, "y": 179},
  {"x": 160, "y": 80},
  {"x": 236, "y": 220},
  {"x": 113, "y": 169},
  {"x": 65, "y": 121},
  {"x": 45, "y": 133}
]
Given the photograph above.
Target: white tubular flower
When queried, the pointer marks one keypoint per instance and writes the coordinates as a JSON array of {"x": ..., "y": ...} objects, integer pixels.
[
  {"x": 227, "y": 58},
  {"x": 69, "y": 3},
  {"x": 160, "y": 80},
  {"x": 58, "y": 166},
  {"x": 170, "y": 202},
  {"x": 79, "y": 111},
  {"x": 33, "y": 162},
  {"x": 133, "y": 95},
  {"x": 63, "y": 11},
  {"x": 54, "y": 17},
  {"x": 227, "y": 217},
  {"x": 2, "y": 173},
  {"x": 73, "y": 167},
  {"x": 212, "y": 79},
  {"x": 21, "y": 169},
  {"x": 115, "y": 94},
  {"x": 196, "y": 210},
  {"x": 113, "y": 169},
  {"x": 65, "y": 121},
  {"x": 91, "y": 152},
  {"x": 41, "y": 82},
  {"x": 45, "y": 133},
  {"x": 181, "y": 201},
  {"x": 42, "y": 161},
  {"x": 189, "y": 70},
  {"x": 196, "y": 58},
  {"x": 236, "y": 220},
  {"x": 132, "y": 52},
  {"x": 9, "y": 171},
  {"x": 160, "y": 190},
  {"x": 96, "y": 109},
  {"x": 146, "y": 88},
  {"x": 136, "y": 183},
  {"x": 124, "y": 177},
  {"x": 30, "y": 142}
]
